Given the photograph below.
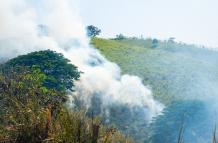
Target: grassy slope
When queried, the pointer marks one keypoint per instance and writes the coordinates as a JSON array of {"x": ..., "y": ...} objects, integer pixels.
[{"x": 173, "y": 71}]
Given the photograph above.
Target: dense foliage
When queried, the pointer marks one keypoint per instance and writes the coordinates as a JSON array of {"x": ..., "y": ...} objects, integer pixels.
[
  {"x": 32, "y": 111},
  {"x": 60, "y": 74}
]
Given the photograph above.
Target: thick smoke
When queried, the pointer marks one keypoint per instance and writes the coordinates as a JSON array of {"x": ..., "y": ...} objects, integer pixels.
[{"x": 23, "y": 30}]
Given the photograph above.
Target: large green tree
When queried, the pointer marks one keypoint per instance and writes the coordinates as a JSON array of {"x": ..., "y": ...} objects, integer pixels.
[{"x": 60, "y": 73}]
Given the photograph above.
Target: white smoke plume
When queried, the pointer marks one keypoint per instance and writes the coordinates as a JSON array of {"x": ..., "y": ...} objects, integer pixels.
[{"x": 65, "y": 33}]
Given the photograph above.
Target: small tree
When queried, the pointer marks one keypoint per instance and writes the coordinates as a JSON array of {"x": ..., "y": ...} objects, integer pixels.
[
  {"x": 120, "y": 37},
  {"x": 154, "y": 43},
  {"x": 93, "y": 31}
]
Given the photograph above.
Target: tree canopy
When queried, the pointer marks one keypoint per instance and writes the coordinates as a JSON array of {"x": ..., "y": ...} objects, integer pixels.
[
  {"x": 92, "y": 31},
  {"x": 60, "y": 73}
]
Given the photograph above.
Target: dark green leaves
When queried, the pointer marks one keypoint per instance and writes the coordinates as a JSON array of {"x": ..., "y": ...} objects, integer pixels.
[{"x": 60, "y": 73}]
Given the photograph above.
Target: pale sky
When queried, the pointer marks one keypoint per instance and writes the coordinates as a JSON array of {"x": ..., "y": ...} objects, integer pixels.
[{"x": 190, "y": 21}]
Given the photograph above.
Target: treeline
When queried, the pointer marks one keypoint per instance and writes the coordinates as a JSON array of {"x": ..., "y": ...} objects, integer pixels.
[{"x": 33, "y": 96}]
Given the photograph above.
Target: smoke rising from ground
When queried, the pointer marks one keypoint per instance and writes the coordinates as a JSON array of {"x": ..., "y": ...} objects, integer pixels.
[{"x": 64, "y": 33}]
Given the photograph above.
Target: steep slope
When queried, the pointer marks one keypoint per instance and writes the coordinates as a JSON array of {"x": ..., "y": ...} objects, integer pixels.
[
  {"x": 184, "y": 77},
  {"x": 173, "y": 70}
]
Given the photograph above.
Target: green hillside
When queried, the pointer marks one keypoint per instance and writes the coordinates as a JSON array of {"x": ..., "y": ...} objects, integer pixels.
[
  {"x": 183, "y": 77},
  {"x": 173, "y": 70}
]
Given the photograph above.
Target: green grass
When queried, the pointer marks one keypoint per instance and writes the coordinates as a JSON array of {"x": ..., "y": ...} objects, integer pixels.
[
  {"x": 183, "y": 77},
  {"x": 174, "y": 71}
]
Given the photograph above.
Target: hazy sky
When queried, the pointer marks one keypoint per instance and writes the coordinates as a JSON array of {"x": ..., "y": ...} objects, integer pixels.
[{"x": 191, "y": 21}]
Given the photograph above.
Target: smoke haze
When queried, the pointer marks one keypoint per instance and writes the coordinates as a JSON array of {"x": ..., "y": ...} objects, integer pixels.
[{"x": 51, "y": 24}]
